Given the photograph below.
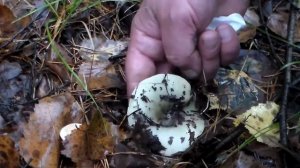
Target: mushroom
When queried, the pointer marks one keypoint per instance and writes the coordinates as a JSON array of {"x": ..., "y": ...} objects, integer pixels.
[
  {"x": 166, "y": 106},
  {"x": 67, "y": 130}
]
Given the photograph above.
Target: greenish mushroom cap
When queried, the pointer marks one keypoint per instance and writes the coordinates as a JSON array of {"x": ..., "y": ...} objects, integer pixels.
[{"x": 166, "y": 104}]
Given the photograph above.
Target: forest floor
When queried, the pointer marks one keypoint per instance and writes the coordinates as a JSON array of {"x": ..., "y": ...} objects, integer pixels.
[{"x": 62, "y": 62}]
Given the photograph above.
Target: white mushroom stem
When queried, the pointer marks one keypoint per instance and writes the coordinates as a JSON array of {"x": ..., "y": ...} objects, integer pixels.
[{"x": 167, "y": 105}]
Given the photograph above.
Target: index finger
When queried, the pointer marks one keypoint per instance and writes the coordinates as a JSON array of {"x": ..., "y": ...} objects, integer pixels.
[{"x": 145, "y": 49}]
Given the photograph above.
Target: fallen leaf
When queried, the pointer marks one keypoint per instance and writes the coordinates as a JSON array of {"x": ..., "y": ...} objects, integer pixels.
[
  {"x": 43, "y": 88},
  {"x": 99, "y": 75},
  {"x": 278, "y": 23},
  {"x": 9, "y": 157},
  {"x": 97, "y": 72},
  {"x": 99, "y": 49},
  {"x": 100, "y": 141},
  {"x": 75, "y": 146},
  {"x": 255, "y": 155},
  {"x": 252, "y": 18},
  {"x": 246, "y": 34},
  {"x": 259, "y": 122},
  {"x": 40, "y": 145},
  {"x": 6, "y": 19},
  {"x": 236, "y": 91},
  {"x": 91, "y": 142},
  {"x": 19, "y": 8},
  {"x": 259, "y": 67},
  {"x": 255, "y": 63},
  {"x": 55, "y": 63},
  {"x": 8, "y": 23}
]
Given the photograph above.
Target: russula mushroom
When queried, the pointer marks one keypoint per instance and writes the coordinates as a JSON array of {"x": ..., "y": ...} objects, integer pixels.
[
  {"x": 67, "y": 130},
  {"x": 165, "y": 105}
]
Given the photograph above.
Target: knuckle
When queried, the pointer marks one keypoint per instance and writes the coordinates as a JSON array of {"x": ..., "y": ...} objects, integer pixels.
[{"x": 176, "y": 60}]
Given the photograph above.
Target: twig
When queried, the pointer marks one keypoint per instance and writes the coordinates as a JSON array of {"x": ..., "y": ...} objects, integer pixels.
[
  {"x": 232, "y": 136},
  {"x": 287, "y": 82},
  {"x": 273, "y": 53},
  {"x": 21, "y": 31}
]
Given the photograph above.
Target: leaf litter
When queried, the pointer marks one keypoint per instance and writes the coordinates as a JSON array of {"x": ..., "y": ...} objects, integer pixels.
[
  {"x": 40, "y": 95},
  {"x": 9, "y": 155},
  {"x": 97, "y": 71},
  {"x": 40, "y": 144}
]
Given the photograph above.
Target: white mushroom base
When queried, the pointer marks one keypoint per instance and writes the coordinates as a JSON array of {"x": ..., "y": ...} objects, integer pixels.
[{"x": 165, "y": 105}]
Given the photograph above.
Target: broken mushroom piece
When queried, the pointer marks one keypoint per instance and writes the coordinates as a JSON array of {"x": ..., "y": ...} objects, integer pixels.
[
  {"x": 164, "y": 105},
  {"x": 67, "y": 130}
]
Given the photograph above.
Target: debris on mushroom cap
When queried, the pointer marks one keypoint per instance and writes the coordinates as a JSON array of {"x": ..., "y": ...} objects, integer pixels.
[{"x": 165, "y": 104}]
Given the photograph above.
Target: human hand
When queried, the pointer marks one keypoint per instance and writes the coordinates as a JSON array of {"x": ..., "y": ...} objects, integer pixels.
[{"x": 172, "y": 33}]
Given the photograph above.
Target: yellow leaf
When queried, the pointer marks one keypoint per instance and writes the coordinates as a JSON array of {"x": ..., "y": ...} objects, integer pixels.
[{"x": 259, "y": 121}]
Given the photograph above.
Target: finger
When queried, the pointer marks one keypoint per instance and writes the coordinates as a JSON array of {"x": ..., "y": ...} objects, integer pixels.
[
  {"x": 228, "y": 7},
  {"x": 230, "y": 46},
  {"x": 144, "y": 50},
  {"x": 209, "y": 47},
  {"x": 179, "y": 40},
  {"x": 164, "y": 67}
]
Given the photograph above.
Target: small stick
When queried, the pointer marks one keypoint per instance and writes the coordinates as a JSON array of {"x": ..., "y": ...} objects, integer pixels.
[{"x": 287, "y": 82}]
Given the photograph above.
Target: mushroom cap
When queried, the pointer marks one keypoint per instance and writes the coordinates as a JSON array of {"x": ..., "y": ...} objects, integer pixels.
[{"x": 166, "y": 104}]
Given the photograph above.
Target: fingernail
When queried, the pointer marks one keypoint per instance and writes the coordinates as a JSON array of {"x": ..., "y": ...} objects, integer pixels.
[
  {"x": 190, "y": 73},
  {"x": 225, "y": 33}
]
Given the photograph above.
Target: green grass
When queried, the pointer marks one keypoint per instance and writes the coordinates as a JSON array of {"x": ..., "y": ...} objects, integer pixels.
[
  {"x": 78, "y": 80},
  {"x": 69, "y": 13}
]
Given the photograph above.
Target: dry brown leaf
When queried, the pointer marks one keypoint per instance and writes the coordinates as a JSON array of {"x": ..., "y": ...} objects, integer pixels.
[
  {"x": 99, "y": 75},
  {"x": 253, "y": 22},
  {"x": 54, "y": 62},
  {"x": 252, "y": 18},
  {"x": 7, "y": 25},
  {"x": 75, "y": 145},
  {"x": 99, "y": 49},
  {"x": 6, "y": 19},
  {"x": 91, "y": 142},
  {"x": 43, "y": 89},
  {"x": 40, "y": 145},
  {"x": 247, "y": 34},
  {"x": 97, "y": 72},
  {"x": 278, "y": 22},
  {"x": 19, "y": 8},
  {"x": 99, "y": 140},
  {"x": 9, "y": 157}
]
